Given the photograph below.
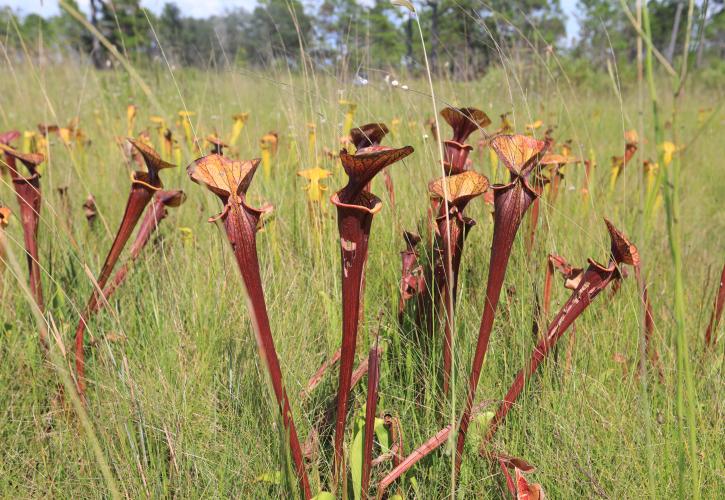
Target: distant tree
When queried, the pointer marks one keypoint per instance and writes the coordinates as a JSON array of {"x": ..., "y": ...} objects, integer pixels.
[
  {"x": 69, "y": 34},
  {"x": 274, "y": 30},
  {"x": 125, "y": 25},
  {"x": 386, "y": 39},
  {"x": 604, "y": 31}
]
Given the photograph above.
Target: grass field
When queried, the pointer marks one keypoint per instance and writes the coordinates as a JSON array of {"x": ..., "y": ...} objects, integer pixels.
[{"x": 177, "y": 396}]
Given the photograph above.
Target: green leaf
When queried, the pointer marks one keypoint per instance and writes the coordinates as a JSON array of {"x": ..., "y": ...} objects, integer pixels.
[
  {"x": 479, "y": 426},
  {"x": 324, "y": 495},
  {"x": 270, "y": 477},
  {"x": 356, "y": 457}
]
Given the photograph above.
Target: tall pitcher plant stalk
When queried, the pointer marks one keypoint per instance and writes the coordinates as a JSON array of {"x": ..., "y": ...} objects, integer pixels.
[
  {"x": 229, "y": 180},
  {"x": 27, "y": 190},
  {"x": 355, "y": 210},
  {"x": 143, "y": 187},
  {"x": 521, "y": 156}
]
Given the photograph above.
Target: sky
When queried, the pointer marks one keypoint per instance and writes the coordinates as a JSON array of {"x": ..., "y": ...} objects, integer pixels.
[{"x": 205, "y": 8}]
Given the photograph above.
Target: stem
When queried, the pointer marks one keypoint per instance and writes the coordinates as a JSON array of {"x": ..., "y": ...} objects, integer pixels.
[{"x": 240, "y": 227}]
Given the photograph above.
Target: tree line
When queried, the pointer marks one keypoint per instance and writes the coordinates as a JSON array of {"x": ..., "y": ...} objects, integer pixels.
[{"x": 463, "y": 37}]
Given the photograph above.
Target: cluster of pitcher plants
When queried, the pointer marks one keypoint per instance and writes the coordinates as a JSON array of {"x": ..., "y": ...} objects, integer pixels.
[{"x": 428, "y": 286}]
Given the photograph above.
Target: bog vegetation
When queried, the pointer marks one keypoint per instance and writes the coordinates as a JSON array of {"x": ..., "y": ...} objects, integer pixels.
[{"x": 313, "y": 280}]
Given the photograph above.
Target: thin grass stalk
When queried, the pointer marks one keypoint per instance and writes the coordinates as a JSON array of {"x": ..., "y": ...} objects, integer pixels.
[
  {"x": 685, "y": 384},
  {"x": 229, "y": 180},
  {"x": 370, "y": 410}
]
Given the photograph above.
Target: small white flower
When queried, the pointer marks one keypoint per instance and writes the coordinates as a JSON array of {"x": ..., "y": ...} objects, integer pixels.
[
  {"x": 394, "y": 83},
  {"x": 404, "y": 87}
]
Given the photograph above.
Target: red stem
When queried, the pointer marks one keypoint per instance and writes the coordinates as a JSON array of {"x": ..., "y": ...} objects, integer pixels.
[
  {"x": 240, "y": 223},
  {"x": 595, "y": 279},
  {"x": 421, "y": 452},
  {"x": 27, "y": 190},
  {"x": 511, "y": 202},
  {"x": 354, "y": 223},
  {"x": 149, "y": 224},
  {"x": 711, "y": 332},
  {"x": 138, "y": 198}
]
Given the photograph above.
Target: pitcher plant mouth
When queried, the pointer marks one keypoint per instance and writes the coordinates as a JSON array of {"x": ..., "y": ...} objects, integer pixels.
[
  {"x": 143, "y": 187},
  {"x": 464, "y": 122},
  {"x": 594, "y": 280},
  {"x": 229, "y": 180},
  {"x": 521, "y": 155},
  {"x": 28, "y": 193},
  {"x": 355, "y": 210},
  {"x": 363, "y": 166},
  {"x": 370, "y": 134},
  {"x": 452, "y": 227}
]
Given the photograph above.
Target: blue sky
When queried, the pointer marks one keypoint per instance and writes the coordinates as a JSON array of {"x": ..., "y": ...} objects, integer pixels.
[{"x": 204, "y": 8}]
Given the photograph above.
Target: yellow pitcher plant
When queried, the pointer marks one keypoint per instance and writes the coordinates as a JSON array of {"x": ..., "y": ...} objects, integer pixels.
[
  {"x": 131, "y": 111},
  {"x": 312, "y": 143},
  {"x": 185, "y": 118},
  {"x": 315, "y": 189},
  {"x": 350, "y": 108},
  {"x": 240, "y": 119},
  {"x": 268, "y": 144}
]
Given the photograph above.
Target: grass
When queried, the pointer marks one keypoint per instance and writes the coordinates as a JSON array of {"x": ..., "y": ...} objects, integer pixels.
[{"x": 179, "y": 405}]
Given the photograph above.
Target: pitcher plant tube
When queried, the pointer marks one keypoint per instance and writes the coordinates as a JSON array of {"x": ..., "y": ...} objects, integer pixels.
[
  {"x": 412, "y": 280},
  {"x": 143, "y": 187},
  {"x": 521, "y": 155},
  {"x": 711, "y": 332},
  {"x": 464, "y": 122},
  {"x": 153, "y": 216},
  {"x": 355, "y": 210},
  {"x": 596, "y": 278},
  {"x": 229, "y": 180},
  {"x": 27, "y": 191},
  {"x": 454, "y": 193},
  {"x": 370, "y": 409}
]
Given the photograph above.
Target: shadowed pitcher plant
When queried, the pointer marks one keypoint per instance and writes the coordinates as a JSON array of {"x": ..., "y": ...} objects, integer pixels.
[
  {"x": 453, "y": 192},
  {"x": 27, "y": 190},
  {"x": 229, "y": 180},
  {"x": 596, "y": 277},
  {"x": 521, "y": 156},
  {"x": 143, "y": 187},
  {"x": 355, "y": 210}
]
